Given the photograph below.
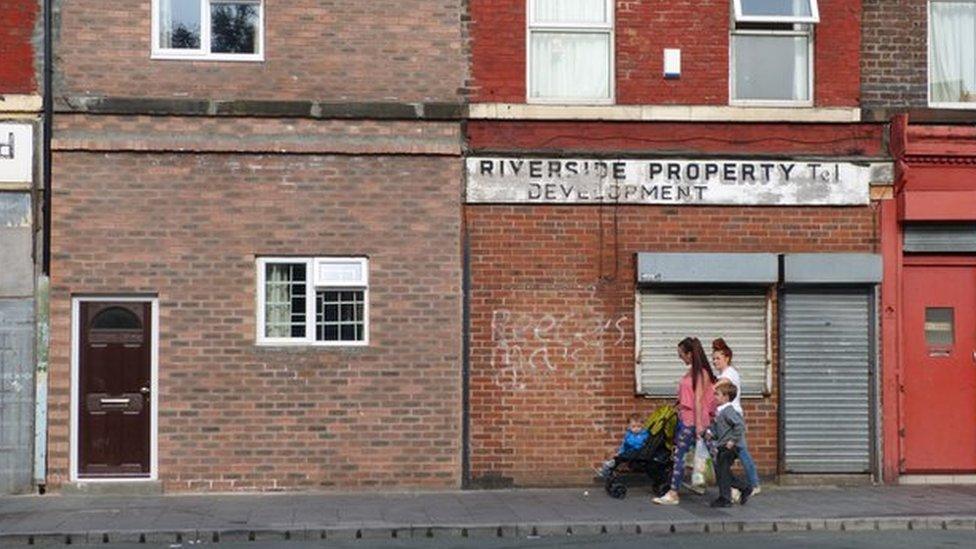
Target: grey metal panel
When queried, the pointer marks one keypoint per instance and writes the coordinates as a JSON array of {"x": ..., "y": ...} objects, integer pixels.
[
  {"x": 833, "y": 268},
  {"x": 16, "y": 394},
  {"x": 668, "y": 317},
  {"x": 954, "y": 237},
  {"x": 671, "y": 268},
  {"x": 15, "y": 209},
  {"x": 826, "y": 382},
  {"x": 16, "y": 263}
]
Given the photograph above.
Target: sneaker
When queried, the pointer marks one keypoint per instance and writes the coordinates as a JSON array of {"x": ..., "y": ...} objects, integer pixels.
[
  {"x": 745, "y": 496},
  {"x": 736, "y": 494},
  {"x": 666, "y": 499},
  {"x": 721, "y": 502},
  {"x": 696, "y": 489},
  {"x": 756, "y": 490}
]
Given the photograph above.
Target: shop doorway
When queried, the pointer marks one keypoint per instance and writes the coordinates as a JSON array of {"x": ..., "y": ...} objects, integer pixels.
[
  {"x": 939, "y": 383},
  {"x": 114, "y": 408}
]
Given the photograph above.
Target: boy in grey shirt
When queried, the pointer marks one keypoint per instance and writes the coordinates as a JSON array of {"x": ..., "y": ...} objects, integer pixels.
[{"x": 727, "y": 432}]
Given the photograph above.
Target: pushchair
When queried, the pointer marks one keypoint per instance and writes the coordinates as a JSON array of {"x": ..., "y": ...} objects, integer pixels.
[{"x": 653, "y": 459}]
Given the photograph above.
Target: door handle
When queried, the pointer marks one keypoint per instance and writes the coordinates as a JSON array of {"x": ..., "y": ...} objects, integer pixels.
[
  {"x": 144, "y": 390},
  {"x": 111, "y": 401}
]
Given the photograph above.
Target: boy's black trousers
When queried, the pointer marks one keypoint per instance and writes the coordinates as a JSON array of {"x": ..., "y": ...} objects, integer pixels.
[{"x": 723, "y": 473}]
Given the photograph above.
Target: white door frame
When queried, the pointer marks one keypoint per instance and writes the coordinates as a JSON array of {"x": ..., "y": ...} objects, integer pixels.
[{"x": 153, "y": 384}]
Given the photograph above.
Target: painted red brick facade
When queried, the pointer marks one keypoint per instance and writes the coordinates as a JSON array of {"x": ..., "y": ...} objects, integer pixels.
[
  {"x": 643, "y": 30},
  {"x": 17, "y": 26}
]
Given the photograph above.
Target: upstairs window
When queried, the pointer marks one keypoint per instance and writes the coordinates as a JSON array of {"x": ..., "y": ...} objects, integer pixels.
[
  {"x": 772, "y": 52},
  {"x": 952, "y": 54},
  {"x": 570, "y": 56},
  {"x": 221, "y": 30}
]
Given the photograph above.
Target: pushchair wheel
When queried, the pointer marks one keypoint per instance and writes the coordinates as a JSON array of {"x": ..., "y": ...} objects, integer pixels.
[{"x": 617, "y": 490}]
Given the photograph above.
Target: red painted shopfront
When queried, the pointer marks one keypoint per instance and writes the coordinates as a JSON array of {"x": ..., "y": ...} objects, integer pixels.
[{"x": 929, "y": 240}]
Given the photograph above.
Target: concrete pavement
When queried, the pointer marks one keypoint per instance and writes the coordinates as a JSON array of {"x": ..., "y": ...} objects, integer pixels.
[{"x": 506, "y": 513}]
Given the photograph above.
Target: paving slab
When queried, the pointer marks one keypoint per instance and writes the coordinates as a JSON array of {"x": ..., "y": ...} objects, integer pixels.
[{"x": 53, "y": 519}]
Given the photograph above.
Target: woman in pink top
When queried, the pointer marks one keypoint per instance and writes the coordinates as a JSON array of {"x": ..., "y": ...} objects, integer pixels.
[{"x": 696, "y": 407}]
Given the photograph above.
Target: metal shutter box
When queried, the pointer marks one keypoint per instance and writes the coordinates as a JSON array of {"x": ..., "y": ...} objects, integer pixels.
[
  {"x": 940, "y": 237},
  {"x": 826, "y": 381},
  {"x": 741, "y": 317}
]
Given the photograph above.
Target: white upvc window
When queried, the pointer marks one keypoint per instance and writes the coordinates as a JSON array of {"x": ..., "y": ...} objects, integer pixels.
[
  {"x": 570, "y": 51},
  {"x": 313, "y": 301},
  {"x": 952, "y": 54},
  {"x": 771, "y": 60},
  {"x": 213, "y": 30}
]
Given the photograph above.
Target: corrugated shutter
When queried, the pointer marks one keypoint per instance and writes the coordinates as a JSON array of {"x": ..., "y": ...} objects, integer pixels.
[
  {"x": 826, "y": 396},
  {"x": 950, "y": 237},
  {"x": 16, "y": 395},
  {"x": 741, "y": 317}
]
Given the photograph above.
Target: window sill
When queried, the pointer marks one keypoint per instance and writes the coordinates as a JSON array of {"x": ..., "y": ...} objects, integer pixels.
[
  {"x": 313, "y": 344},
  {"x": 954, "y": 106},
  {"x": 241, "y": 58},
  {"x": 664, "y": 113}
]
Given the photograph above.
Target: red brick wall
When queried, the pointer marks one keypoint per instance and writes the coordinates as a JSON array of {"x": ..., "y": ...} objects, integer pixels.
[
  {"x": 17, "y": 25},
  {"x": 342, "y": 50},
  {"x": 705, "y": 138},
  {"x": 643, "y": 29},
  {"x": 235, "y": 416},
  {"x": 552, "y": 331}
]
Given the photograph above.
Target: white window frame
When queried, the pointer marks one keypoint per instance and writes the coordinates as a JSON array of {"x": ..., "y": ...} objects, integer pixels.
[
  {"x": 204, "y": 53},
  {"x": 608, "y": 28},
  {"x": 311, "y": 287},
  {"x": 814, "y": 16},
  {"x": 928, "y": 60},
  {"x": 809, "y": 33}
]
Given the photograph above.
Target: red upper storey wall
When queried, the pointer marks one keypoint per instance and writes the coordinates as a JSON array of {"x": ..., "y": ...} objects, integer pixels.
[
  {"x": 643, "y": 29},
  {"x": 17, "y": 21}
]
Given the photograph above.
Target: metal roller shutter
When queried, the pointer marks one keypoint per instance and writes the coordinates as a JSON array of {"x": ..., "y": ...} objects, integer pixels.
[
  {"x": 741, "y": 317},
  {"x": 826, "y": 382}
]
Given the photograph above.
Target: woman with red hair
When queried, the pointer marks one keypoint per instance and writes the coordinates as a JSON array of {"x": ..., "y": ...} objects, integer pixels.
[{"x": 727, "y": 373}]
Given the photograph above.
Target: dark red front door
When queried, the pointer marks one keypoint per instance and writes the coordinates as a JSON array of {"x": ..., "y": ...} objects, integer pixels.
[
  {"x": 114, "y": 389},
  {"x": 939, "y": 398}
]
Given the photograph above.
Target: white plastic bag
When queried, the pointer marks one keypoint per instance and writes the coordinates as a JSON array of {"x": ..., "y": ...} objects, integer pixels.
[{"x": 700, "y": 464}]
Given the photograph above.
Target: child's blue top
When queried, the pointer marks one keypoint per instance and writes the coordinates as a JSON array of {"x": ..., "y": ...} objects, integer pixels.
[{"x": 633, "y": 441}]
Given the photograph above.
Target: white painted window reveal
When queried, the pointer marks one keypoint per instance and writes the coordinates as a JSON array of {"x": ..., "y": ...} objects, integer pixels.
[
  {"x": 771, "y": 62},
  {"x": 313, "y": 301},
  {"x": 570, "y": 51},
  {"x": 952, "y": 54},
  {"x": 218, "y": 30}
]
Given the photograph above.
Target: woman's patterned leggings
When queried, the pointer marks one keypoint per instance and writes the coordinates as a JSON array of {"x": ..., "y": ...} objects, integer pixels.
[{"x": 684, "y": 440}]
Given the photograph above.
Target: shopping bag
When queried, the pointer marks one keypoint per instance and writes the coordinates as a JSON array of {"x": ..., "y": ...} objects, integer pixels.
[{"x": 700, "y": 464}]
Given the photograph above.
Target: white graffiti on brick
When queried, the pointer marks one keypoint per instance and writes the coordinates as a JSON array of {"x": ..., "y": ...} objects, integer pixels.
[{"x": 528, "y": 346}]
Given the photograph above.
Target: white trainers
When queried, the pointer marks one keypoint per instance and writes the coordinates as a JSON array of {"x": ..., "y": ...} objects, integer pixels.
[
  {"x": 736, "y": 495},
  {"x": 666, "y": 499}
]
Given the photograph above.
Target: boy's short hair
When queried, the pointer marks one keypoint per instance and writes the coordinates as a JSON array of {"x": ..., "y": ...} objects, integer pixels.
[
  {"x": 727, "y": 389},
  {"x": 635, "y": 417}
]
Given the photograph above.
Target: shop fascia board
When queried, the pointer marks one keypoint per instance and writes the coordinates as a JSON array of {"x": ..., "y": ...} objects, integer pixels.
[{"x": 663, "y": 113}]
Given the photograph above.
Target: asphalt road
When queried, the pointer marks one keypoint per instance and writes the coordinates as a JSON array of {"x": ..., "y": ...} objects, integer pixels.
[{"x": 831, "y": 540}]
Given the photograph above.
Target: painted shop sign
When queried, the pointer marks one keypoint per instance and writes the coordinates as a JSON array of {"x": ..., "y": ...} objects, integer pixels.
[
  {"x": 16, "y": 153},
  {"x": 665, "y": 181}
]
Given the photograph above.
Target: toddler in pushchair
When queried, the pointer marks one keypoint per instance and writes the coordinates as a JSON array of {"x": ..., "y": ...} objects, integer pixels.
[{"x": 646, "y": 449}]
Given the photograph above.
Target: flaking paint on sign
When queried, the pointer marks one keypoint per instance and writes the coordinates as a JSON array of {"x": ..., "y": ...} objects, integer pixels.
[{"x": 665, "y": 181}]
